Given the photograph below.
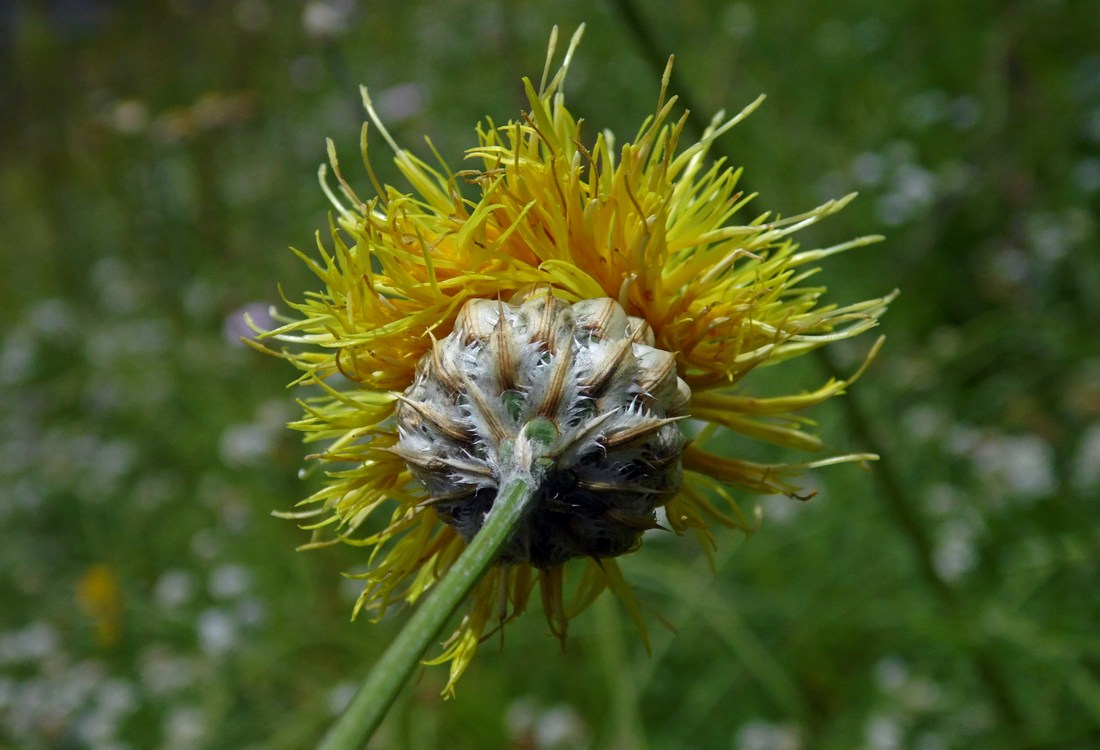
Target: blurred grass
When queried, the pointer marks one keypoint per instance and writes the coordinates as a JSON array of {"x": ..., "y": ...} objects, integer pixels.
[{"x": 156, "y": 158}]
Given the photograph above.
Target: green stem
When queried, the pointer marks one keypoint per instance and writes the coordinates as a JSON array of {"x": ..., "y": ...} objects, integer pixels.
[
  {"x": 627, "y": 729},
  {"x": 392, "y": 671},
  {"x": 903, "y": 509}
]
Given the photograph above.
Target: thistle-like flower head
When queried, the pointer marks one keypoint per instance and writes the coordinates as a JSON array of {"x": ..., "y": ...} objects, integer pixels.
[
  {"x": 593, "y": 295},
  {"x": 610, "y": 400}
]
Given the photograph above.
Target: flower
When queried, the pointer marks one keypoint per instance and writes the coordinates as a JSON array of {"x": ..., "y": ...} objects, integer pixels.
[
  {"x": 643, "y": 234},
  {"x": 98, "y": 595}
]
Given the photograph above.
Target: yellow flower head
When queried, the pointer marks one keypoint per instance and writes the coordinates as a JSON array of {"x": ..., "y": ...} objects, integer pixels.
[{"x": 646, "y": 232}]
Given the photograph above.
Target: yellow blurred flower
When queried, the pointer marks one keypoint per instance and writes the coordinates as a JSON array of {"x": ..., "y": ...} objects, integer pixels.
[
  {"x": 100, "y": 598},
  {"x": 650, "y": 225}
]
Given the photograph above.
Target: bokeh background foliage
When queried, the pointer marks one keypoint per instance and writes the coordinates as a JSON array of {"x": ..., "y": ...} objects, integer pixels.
[{"x": 155, "y": 160}]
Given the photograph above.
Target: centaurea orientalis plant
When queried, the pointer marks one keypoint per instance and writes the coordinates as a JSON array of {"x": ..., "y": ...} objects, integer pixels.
[{"x": 504, "y": 378}]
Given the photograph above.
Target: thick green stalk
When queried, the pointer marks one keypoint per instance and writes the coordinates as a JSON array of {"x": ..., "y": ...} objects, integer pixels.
[{"x": 392, "y": 671}]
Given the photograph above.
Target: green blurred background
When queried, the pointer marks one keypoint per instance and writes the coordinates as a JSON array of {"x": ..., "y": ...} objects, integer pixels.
[{"x": 156, "y": 160}]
